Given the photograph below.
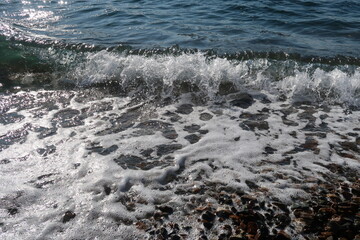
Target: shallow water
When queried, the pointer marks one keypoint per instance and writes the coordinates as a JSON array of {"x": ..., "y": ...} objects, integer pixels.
[
  {"x": 86, "y": 161},
  {"x": 296, "y": 47}
]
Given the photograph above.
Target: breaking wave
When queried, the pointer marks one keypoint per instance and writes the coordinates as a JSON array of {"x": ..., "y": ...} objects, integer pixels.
[{"x": 172, "y": 71}]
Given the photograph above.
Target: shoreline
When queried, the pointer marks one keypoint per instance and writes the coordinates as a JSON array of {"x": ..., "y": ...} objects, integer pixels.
[{"x": 250, "y": 167}]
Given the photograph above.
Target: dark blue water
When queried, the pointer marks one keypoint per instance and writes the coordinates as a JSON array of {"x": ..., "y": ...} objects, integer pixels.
[
  {"x": 308, "y": 27},
  {"x": 313, "y": 46}
]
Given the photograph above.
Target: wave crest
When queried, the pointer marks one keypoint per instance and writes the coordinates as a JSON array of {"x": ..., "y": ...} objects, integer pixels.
[{"x": 163, "y": 74}]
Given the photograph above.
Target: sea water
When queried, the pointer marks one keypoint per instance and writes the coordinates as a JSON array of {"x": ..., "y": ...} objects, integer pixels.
[{"x": 111, "y": 111}]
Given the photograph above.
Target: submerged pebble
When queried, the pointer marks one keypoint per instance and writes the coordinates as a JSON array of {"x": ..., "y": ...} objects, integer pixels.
[
  {"x": 243, "y": 100},
  {"x": 68, "y": 216},
  {"x": 190, "y": 174},
  {"x": 185, "y": 109}
]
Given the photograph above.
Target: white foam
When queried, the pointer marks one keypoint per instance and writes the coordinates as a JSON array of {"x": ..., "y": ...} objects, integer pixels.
[
  {"x": 336, "y": 85},
  {"x": 217, "y": 157},
  {"x": 301, "y": 82}
]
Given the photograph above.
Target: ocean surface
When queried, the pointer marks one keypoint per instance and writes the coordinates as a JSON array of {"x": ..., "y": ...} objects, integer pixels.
[{"x": 113, "y": 111}]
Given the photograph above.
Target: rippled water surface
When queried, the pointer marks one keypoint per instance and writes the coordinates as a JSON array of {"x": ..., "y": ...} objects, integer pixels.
[{"x": 314, "y": 27}]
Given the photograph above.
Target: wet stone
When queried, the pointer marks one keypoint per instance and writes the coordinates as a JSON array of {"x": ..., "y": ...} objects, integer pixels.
[
  {"x": 95, "y": 147},
  {"x": 97, "y": 107},
  {"x": 44, "y": 181},
  {"x": 252, "y": 228},
  {"x": 351, "y": 134},
  {"x": 192, "y": 138},
  {"x": 68, "y": 118},
  {"x": 208, "y": 218},
  {"x": 135, "y": 162},
  {"x": 254, "y": 117},
  {"x": 107, "y": 190},
  {"x": 282, "y": 206},
  {"x": 5, "y": 161},
  {"x": 283, "y": 162},
  {"x": 143, "y": 132},
  {"x": 44, "y": 184},
  {"x": 225, "y": 199},
  {"x": 205, "y": 116},
  {"x": 62, "y": 97},
  {"x": 46, "y": 151},
  {"x": 307, "y": 115},
  {"x": 251, "y": 184},
  {"x": 349, "y": 146},
  {"x": 203, "y": 131},
  {"x": 265, "y": 110},
  {"x": 281, "y": 235},
  {"x": 282, "y": 220},
  {"x": 15, "y": 136},
  {"x": 163, "y": 233},
  {"x": 169, "y": 133},
  {"x": 89, "y": 95},
  {"x": 23, "y": 101},
  {"x": 44, "y": 109},
  {"x": 119, "y": 124},
  {"x": 305, "y": 214},
  {"x": 323, "y": 127},
  {"x": 167, "y": 149},
  {"x": 289, "y": 122},
  {"x": 288, "y": 111},
  {"x": 68, "y": 216},
  {"x": 223, "y": 213},
  {"x": 157, "y": 215},
  {"x": 323, "y": 116},
  {"x": 108, "y": 150},
  {"x": 293, "y": 134},
  {"x": 44, "y": 176},
  {"x": 175, "y": 237},
  {"x": 166, "y": 210},
  {"x": 310, "y": 144},
  {"x": 294, "y": 151},
  {"x": 13, "y": 211},
  {"x": 243, "y": 100},
  {"x": 247, "y": 198},
  {"x": 265, "y": 100},
  {"x": 316, "y": 134},
  {"x": 147, "y": 152},
  {"x": 270, "y": 150},
  {"x": 345, "y": 155},
  {"x": 282, "y": 98},
  {"x": 10, "y": 118},
  {"x": 46, "y": 132},
  {"x": 226, "y": 88},
  {"x": 192, "y": 128},
  {"x": 129, "y": 161},
  {"x": 20, "y": 159},
  {"x": 185, "y": 109},
  {"x": 154, "y": 125},
  {"x": 173, "y": 116},
  {"x": 252, "y": 125}
]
